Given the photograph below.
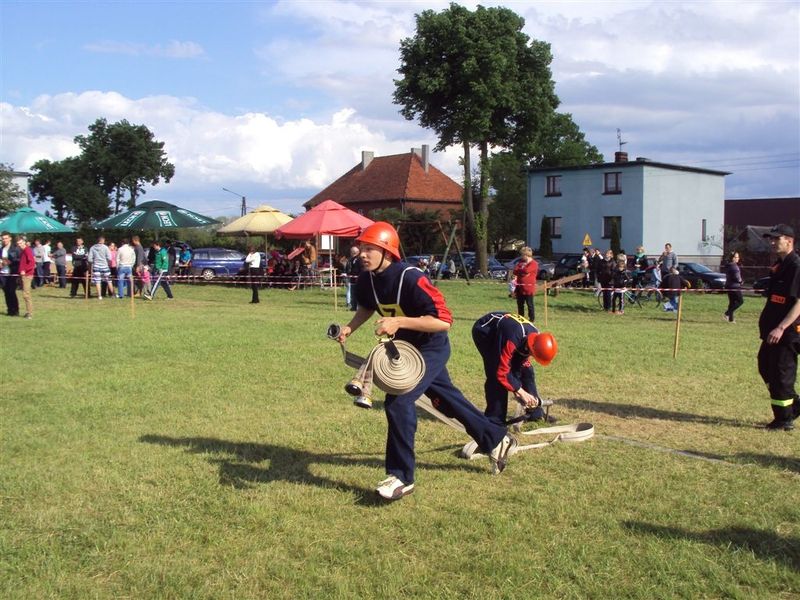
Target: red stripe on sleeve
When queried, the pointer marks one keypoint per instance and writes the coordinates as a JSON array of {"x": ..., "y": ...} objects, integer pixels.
[{"x": 442, "y": 312}]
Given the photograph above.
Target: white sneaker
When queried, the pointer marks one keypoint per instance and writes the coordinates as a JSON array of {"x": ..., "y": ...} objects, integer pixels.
[
  {"x": 499, "y": 456},
  {"x": 147, "y": 296},
  {"x": 362, "y": 401},
  {"x": 392, "y": 488}
]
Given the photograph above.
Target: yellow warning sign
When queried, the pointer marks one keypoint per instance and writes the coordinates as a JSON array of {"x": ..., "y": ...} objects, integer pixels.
[{"x": 587, "y": 241}]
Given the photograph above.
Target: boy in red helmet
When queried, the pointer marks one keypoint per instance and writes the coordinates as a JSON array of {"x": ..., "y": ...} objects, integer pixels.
[
  {"x": 506, "y": 343},
  {"x": 412, "y": 309}
]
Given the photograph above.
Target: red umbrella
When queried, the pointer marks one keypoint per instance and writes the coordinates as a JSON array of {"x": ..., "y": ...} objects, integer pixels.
[{"x": 326, "y": 218}]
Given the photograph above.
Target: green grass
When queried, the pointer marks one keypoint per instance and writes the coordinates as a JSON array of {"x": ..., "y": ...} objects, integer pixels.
[{"x": 206, "y": 449}]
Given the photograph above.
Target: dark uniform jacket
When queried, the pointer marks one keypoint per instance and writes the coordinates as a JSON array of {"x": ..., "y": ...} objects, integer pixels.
[
  {"x": 783, "y": 291},
  {"x": 404, "y": 291}
]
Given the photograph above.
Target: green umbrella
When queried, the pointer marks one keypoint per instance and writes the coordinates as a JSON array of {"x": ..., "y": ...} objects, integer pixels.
[
  {"x": 155, "y": 215},
  {"x": 27, "y": 220}
]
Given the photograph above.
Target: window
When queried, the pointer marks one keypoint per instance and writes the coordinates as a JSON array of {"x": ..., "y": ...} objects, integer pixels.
[
  {"x": 555, "y": 227},
  {"x": 613, "y": 183},
  {"x": 608, "y": 225},
  {"x": 703, "y": 232},
  {"x": 553, "y": 185}
]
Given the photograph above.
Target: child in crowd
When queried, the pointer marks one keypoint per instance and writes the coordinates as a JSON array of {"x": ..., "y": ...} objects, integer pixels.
[
  {"x": 620, "y": 280},
  {"x": 145, "y": 275}
]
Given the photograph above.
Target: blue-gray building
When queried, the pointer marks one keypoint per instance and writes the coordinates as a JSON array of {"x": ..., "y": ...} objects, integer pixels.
[{"x": 652, "y": 203}]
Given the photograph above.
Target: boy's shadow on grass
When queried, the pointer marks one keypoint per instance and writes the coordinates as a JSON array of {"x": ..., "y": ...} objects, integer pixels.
[
  {"x": 239, "y": 464},
  {"x": 766, "y": 545},
  {"x": 645, "y": 412}
]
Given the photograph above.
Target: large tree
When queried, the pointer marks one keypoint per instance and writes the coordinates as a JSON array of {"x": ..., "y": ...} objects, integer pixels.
[
  {"x": 124, "y": 157},
  {"x": 477, "y": 80},
  {"x": 11, "y": 196},
  {"x": 70, "y": 188}
]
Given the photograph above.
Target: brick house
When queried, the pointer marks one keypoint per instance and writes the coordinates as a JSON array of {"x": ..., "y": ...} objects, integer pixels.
[{"x": 401, "y": 181}]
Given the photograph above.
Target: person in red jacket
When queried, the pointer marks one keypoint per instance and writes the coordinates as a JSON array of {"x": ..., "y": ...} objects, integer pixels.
[
  {"x": 27, "y": 269},
  {"x": 525, "y": 272}
]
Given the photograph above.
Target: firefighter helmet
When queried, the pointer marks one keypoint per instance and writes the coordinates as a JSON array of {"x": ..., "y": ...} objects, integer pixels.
[
  {"x": 382, "y": 235},
  {"x": 543, "y": 347}
]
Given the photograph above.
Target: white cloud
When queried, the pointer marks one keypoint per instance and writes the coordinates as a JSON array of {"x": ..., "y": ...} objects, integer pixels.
[
  {"x": 209, "y": 149},
  {"x": 172, "y": 49}
]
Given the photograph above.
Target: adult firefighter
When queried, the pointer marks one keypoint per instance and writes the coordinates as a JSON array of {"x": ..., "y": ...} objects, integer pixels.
[
  {"x": 412, "y": 309},
  {"x": 779, "y": 329},
  {"x": 507, "y": 342}
]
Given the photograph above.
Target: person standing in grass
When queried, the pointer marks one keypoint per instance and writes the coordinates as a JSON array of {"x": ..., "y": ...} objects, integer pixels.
[
  {"x": 9, "y": 271},
  {"x": 605, "y": 276},
  {"x": 506, "y": 343},
  {"x": 620, "y": 280},
  {"x": 27, "y": 271},
  {"x": 253, "y": 263},
  {"x": 126, "y": 259},
  {"x": 413, "y": 310},
  {"x": 161, "y": 267},
  {"x": 525, "y": 273},
  {"x": 733, "y": 283},
  {"x": 80, "y": 266},
  {"x": 99, "y": 258},
  {"x": 59, "y": 257},
  {"x": 779, "y": 329}
]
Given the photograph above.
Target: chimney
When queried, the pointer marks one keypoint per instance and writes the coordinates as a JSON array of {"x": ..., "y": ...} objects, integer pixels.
[
  {"x": 423, "y": 154},
  {"x": 366, "y": 158},
  {"x": 620, "y": 157}
]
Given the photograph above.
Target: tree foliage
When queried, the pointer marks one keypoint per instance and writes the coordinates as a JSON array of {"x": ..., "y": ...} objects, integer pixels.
[
  {"x": 116, "y": 160},
  {"x": 11, "y": 196},
  {"x": 124, "y": 157},
  {"x": 418, "y": 229},
  {"x": 507, "y": 210},
  {"x": 70, "y": 187},
  {"x": 477, "y": 80}
]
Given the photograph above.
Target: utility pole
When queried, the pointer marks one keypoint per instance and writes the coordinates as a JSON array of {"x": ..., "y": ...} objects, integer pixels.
[{"x": 244, "y": 200}]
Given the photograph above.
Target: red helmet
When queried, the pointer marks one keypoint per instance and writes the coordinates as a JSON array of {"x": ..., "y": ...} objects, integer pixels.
[
  {"x": 543, "y": 347},
  {"x": 382, "y": 235}
]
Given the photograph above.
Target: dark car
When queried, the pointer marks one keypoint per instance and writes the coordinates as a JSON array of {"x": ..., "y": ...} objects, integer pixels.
[
  {"x": 546, "y": 268},
  {"x": 700, "y": 276},
  {"x": 567, "y": 265},
  {"x": 494, "y": 267},
  {"x": 210, "y": 263},
  {"x": 760, "y": 285}
]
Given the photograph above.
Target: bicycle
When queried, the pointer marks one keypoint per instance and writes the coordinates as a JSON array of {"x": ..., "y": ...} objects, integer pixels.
[{"x": 629, "y": 296}]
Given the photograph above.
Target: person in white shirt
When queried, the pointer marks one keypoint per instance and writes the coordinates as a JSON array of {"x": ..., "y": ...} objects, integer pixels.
[
  {"x": 253, "y": 263},
  {"x": 126, "y": 259}
]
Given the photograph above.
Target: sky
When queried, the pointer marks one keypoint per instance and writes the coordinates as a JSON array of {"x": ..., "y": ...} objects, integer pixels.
[{"x": 276, "y": 100}]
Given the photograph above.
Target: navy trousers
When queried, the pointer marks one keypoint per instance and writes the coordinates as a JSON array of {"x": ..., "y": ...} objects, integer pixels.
[{"x": 401, "y": 414}]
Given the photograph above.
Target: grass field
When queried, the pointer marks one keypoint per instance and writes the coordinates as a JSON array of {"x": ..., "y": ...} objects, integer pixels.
[{"x": 206, "y": 449}]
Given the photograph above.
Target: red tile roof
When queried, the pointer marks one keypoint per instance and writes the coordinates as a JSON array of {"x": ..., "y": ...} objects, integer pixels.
[{"x": 400, "y": 178}]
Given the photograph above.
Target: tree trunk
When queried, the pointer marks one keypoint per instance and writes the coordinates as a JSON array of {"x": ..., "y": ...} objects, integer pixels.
[
  {"x": 469, "y": 212},
  {"x": 482, "y": 219}
]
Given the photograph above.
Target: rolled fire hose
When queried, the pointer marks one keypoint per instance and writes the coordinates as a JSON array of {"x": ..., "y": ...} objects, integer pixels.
[{"x": 396, "y": 367}]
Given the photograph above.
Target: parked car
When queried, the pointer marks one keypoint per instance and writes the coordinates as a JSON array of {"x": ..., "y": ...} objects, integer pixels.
[
  {"x": 494, "y": 267},
  {"x": 567, "y": 265},
  {"x": 700, "y": 276},
  {"x": 760, "y": 285},
  {"x": 546, "y": 267},
  {"x": 210, "y": 263}
]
